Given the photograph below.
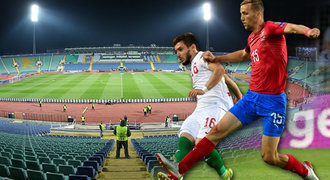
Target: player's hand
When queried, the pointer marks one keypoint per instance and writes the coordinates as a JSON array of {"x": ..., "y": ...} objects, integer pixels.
[
  {"x": 193, "y": 93},
  {"x": 208, "y": 56},
  {"x": 313, "y": 33},
  {"x": 238, "y": 98}
]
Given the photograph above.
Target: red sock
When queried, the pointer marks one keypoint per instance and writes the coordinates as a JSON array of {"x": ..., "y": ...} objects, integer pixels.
[
  {"x": 295, "y": 166},
  {"x": 202, "y": 149}
]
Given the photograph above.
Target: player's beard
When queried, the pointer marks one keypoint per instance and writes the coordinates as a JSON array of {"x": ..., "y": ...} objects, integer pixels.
[{"x": 188, "y": 59}]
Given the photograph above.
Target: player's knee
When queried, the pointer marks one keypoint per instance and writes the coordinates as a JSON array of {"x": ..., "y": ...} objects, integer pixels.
[
  {"x": 269, "y": 158},
  {"x": 215, "y": 134},
  {"x": 216, "y": 130}
]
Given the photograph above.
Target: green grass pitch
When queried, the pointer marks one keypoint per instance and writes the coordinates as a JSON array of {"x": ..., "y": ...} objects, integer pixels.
[
  {"x": 102, "y": 86},
  {"x": 248, "y": 165}
]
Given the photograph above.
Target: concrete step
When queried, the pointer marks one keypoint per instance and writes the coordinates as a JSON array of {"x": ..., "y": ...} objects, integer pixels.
[
  {"x": 123, "y": 168},
  {"x": 124, "y": 175}
]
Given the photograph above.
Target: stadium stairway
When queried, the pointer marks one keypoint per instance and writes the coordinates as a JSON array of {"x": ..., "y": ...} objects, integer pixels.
[
  {"x": 158, "y": 59},
  {"x": 16, "y": 67},
  {"x": 91, "y": 64},
  {"x": 123, "y": 168},
  {"x": 84, "y": 59}
]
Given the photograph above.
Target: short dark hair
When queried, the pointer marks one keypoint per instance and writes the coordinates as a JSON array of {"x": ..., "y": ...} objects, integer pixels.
[
  {"x": 256, "y": 5},
  {"x": 187, "y": 38}
]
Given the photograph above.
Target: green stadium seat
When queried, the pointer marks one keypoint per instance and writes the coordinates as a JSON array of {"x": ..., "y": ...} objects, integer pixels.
[
  {"x": 34, "y": 165},
  {"x": 6, "y": 154},
  {"x": 50, "y": 152},
  {"x": 47, "y": 167},
  {"x": 8, "y": 150},
  {"x": 81, "y": 158},
  {"x": 39, "y": 151},
  {"x": 5, "y": 161},
  {"x": 53, "y": 156},
  {"x": 4, "y": 171},
  {"x": 17, "y": 173},
  {"x": 67, "y": 157},
  {"x": 44, "y": 160},
  {"x": 74, "y": 154},
  {"x": 35, "y": 175},
  {"x": 74, "y": 163},
  {"x": 28, "y": 149},
  {"x": 18, "y": 156},
  {"x": 61, "y": 153},
  {"x": 29, "y": 153},
  {"x": 66, "y": 169},
  {"x": 59, "y": 161},
  {"x": 42, "y": 155},
  {"x": 30, "y": 158},
  {"x": 19, "y": 163}
]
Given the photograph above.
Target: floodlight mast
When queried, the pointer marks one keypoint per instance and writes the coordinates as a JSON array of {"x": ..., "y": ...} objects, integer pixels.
[
  {"x": 34, "y": 19},
  {"x": 207, "y": 17}
]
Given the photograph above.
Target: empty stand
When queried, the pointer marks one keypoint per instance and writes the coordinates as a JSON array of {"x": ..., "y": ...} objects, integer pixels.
[{"x": 49, "y": 157}]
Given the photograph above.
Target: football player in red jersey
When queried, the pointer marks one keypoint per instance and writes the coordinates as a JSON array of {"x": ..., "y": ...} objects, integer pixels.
[{"x": 266, "y": 47}]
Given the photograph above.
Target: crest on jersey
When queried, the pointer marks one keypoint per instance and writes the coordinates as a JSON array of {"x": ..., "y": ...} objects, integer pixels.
[{"x": 262, "y": 36}]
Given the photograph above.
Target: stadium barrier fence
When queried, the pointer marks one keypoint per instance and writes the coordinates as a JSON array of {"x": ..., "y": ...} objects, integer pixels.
[{"x": 100, "y": 101}]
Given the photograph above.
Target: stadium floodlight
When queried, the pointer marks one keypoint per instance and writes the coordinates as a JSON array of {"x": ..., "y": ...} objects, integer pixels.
[
  {"x": 207, "y": 17},
  {"x": 207, "y": 11},
  {"x": 34, "y": 19},
  {"x": 34, "y": 13}
]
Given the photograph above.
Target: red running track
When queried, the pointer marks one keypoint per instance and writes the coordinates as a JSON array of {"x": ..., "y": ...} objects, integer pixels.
[{"x": 105, "y": 113}]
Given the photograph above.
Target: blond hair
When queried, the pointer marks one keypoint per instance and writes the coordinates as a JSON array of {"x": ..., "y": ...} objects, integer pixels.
[{"x": 256, "y": 5}]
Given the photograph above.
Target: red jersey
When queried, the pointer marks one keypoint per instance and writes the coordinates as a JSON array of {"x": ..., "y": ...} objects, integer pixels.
[{"x": 268, "y": 53}]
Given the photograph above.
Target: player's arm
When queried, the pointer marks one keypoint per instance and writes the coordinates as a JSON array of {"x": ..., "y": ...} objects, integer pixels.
[
  {"x": 217, "y": 73},
  {"x": 301, "y": 29},
  {"x": 234, "y": 88},
  {"x": 236, "y": 56}
]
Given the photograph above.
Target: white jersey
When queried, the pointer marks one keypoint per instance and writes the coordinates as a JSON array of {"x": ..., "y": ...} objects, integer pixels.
[{"x": 218, "y": 96}]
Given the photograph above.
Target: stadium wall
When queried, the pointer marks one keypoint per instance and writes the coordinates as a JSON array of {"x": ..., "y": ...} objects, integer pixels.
[{"x": 36, "y": 116}]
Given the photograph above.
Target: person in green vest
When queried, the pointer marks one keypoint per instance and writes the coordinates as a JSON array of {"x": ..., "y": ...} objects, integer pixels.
[
  {"x": 93, "y": 106},
  {"x": 83, "y": 120},
  {"x": 149, "y": 108},
  {"x": 167, "y": 121},
  {"x": 40, "y": 103},
  {"x": 101, "y": 128},
  {"x": 64, "y": 108},
  {"x": 122, "y": 133},
  {"x": 145, "y": 110}
]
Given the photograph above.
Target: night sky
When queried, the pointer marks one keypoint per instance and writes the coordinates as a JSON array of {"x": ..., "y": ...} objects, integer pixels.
[{"x": 85, "y": 23}]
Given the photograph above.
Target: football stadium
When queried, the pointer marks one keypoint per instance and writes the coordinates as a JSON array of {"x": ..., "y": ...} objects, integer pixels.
[{"x": 52, "y": 104}]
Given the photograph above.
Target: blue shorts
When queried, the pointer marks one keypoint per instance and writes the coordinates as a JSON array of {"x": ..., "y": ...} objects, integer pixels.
[{"x": 270, "y": 108}]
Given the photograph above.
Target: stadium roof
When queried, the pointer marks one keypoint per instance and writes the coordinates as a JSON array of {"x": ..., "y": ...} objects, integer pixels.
[{"x": 82, "y": 50}]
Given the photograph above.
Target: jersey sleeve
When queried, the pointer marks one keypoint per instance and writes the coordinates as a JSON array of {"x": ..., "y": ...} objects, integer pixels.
[
  {"x": 275, "y": 27},
  {"x": 203, "y": 63}
]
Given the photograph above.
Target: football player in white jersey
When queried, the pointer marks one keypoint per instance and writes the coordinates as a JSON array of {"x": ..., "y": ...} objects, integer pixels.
[{"x": 210, "y": 87}]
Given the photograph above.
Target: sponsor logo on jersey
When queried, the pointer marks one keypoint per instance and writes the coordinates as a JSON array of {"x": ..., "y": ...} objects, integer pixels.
[{"x": 280, "y": 23}]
